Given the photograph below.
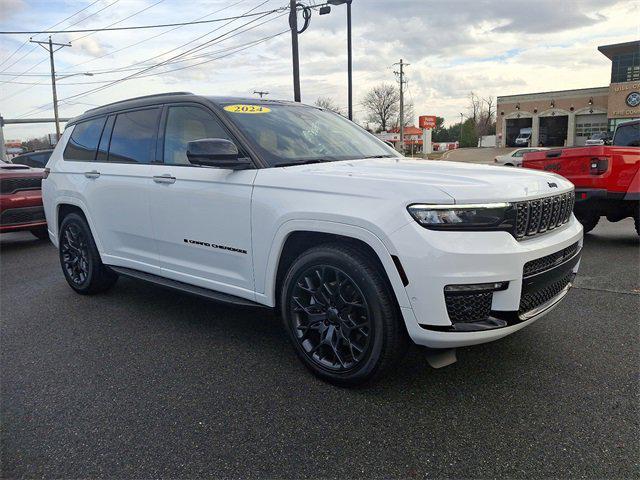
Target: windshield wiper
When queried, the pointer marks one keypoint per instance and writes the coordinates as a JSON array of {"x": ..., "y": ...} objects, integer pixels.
[
  {"x": 379, "y": 156},
  {"x": 302, "y": 162}
]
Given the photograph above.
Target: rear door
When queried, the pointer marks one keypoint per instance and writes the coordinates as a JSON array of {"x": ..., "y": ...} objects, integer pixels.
[
  {"x": 201, "y": 215},
  {"x": 119, "y": 182}
]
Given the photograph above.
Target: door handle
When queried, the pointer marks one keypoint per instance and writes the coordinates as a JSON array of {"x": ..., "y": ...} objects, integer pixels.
[
  {"x": 92, "y": 174},
  {"x": 166, "y": 178}
]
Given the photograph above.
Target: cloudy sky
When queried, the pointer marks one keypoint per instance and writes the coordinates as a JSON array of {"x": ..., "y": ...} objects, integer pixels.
[{"x": 490, "y": 47}]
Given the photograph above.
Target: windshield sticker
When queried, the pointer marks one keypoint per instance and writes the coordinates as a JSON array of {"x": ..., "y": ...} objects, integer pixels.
[{"x": 247, "y": 109}]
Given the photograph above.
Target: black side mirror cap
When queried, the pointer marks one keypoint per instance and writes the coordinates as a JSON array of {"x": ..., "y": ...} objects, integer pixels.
[{"x": 216, "y": 152}]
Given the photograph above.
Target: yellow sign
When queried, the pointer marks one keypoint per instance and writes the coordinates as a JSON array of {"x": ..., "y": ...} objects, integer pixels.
[{"x": 247, "y": 109}]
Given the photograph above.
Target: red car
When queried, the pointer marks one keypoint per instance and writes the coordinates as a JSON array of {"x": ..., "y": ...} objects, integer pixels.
[
  {"x": 607, "y": 178},
  {"x": 21, "y": 200}
]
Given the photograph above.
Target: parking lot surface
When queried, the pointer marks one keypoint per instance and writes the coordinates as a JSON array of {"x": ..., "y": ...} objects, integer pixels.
[{"x": 144, "y": 382}]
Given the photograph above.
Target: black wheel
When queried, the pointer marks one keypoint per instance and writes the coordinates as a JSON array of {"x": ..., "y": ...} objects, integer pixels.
[
  {"x": 341, "y": 316},
  {"x": 588, "y": 221},
  {"x": 40, "y": 233},
  {"x": 79, "y": 257}
]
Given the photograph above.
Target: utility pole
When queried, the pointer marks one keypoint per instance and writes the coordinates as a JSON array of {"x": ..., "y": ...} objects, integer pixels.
[
  {"x": 349, "y": 61},
  {"x": 402, "y": 81},
  {"x": 261, "y": 93},
  {"x": 49, "y": 47},
  {"x": 293, "y": 24},
  {"x": 461, "y": 120}
]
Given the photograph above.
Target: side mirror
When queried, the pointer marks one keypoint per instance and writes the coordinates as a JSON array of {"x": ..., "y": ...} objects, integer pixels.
[{"x": 216, "y": 152}]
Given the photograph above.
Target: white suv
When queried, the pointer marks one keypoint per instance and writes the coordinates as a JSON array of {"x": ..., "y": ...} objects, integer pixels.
[{"x": 294, "y": 207}]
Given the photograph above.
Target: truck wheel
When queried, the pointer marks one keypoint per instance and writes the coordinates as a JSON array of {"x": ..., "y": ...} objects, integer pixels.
[
  {"x": 80, "y": 260},
  {"x": 341, "y": 316},
  {"x": 588, "y": 221},
  {"x": 40, "y": 233}
]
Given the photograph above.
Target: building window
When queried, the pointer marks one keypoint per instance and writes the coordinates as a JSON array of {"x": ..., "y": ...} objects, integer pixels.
[{"x": 625, "y": 68}]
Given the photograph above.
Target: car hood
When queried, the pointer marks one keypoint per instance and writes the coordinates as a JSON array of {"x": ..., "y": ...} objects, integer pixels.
[{"x": 417, "y": 180}]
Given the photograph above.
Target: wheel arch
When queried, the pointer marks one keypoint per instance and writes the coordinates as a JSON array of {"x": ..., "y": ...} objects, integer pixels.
[
  {"x": 296, "y": 236},
  {"x": 69, "y": 205}
]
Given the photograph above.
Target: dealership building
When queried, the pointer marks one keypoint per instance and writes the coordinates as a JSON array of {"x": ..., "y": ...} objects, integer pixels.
[{"x": 570, "y": 117}]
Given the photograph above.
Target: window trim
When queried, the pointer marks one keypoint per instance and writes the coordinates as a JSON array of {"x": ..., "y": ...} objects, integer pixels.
[{"x": 163, "y": 129}]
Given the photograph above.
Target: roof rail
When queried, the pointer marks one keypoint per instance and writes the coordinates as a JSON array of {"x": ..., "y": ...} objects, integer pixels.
[{"x": 140, "y": 98}]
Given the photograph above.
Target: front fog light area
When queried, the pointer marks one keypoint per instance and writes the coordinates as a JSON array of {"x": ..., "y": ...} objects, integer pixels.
[{"x": 469, "y": 305}]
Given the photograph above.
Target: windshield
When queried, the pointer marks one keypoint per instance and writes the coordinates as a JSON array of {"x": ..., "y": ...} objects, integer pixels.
[{"x": 292, "y": 134}]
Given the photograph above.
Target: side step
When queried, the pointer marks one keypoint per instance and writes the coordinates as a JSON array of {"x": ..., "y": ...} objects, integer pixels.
[{"x": 185, "y": 287}]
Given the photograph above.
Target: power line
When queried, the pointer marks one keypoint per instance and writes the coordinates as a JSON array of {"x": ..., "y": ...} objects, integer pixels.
[
  {"x": 172, "y": 59},
  {"x": 52, "y": 26},
  {"x": 253, "y": 44},
  {"x": 140, "y": 27},
  {"x": 79, "y": 21}
]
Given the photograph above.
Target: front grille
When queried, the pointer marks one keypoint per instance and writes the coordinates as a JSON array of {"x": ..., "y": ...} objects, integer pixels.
[
  {"x": 11, "y": 185},
  {"x": 529, "y": 301},
  {"x": 534, "y": 217},
  {"x": 17, "y": 216},
  {"x": 468, "y": 307},
  {"x": 545, "y": 263}
]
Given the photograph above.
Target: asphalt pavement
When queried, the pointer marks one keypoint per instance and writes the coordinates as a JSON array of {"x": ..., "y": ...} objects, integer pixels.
[{"x": 143, "y": 382}]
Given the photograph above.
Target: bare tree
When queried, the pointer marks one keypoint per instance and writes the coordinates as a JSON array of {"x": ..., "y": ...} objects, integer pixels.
[
  {"x": 382, "y": 104},
  {"x": 328, "y": 103},
  {"x": 409, "y": 115}
]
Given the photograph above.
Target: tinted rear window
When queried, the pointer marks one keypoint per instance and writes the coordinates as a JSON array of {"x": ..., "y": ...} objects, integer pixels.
[
  {"x": 134, "y": 136},
  {"x": 84, "y": 140},
  {"x": 628, "y": 136}
]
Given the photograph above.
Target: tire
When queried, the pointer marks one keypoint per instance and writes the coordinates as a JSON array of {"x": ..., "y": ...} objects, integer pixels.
[
  {"x": 636, "y": 221},
  {"x": 508, "y": 165},
  {"x": 79, "y": 258},
  {"x": 40, "y": 233},
  {"x": 588, "y": 221},
  {"x": 341, "y": 315}
]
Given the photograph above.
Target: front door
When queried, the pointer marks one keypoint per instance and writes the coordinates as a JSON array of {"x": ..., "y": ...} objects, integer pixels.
[{"x": 201, "y": 215}]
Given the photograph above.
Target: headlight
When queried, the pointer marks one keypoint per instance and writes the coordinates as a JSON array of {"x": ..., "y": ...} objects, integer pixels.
[{"x": 485, "y": 216}]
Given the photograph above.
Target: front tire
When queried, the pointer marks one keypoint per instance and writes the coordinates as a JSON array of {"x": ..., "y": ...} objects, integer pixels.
[
  {"x": 341, "y": 316},
  {"x": 80, "y": 260},
  {"x": 588, "y": 221}
]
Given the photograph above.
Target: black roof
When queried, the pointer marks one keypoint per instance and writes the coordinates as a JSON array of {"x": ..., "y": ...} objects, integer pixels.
[
  {"x": 616, "y": 48},
  {"x": 172, "y": 97}
]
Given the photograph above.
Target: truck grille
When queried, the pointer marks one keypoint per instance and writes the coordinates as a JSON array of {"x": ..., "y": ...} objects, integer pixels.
[
  {"x": 468, "y": 307},
  {"x": 529, "y": 301},
  {"x": 18, "y": 216},
  {"x": 11, "y": 185},
  {"x": 545, "y": 263},
  {"x": 534, "y": 217}
]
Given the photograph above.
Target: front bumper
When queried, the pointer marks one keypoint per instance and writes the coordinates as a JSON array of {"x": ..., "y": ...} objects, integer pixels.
[
  {"x": 21, "y": 211},
  {"x": 433, "y": 260}
]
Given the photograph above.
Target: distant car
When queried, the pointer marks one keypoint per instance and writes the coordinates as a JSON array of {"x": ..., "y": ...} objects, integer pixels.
[
  {"x": 601, "y": 138},
  {"x": 37, "y": 159},
  {"x": 21, "y": 200},
  {"x": 514, "y": 158}
]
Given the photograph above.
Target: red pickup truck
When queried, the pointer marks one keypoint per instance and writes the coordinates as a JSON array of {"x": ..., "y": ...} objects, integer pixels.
[
  {"x": 21, "y": 200},
  {"x": 607, "y": 178}
]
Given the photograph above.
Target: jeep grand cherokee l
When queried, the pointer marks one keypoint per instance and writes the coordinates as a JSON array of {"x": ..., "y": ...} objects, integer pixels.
[{"x": 294, "y": 207}]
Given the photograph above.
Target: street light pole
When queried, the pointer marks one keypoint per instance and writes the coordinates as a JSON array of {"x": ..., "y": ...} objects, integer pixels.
[
  {"x": 349, "y": 60},
  {"x": 293, "y": 24}
]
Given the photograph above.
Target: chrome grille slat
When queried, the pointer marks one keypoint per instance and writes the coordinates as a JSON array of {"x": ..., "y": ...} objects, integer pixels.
[{"x": 537, "y": 216}]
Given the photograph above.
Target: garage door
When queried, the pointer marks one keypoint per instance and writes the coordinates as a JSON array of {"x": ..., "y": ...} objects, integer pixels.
[{"x": 587, "y": 125}]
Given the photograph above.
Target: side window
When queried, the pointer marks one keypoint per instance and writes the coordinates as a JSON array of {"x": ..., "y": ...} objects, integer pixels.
[
  {"x": 185, "y": 124},
  {"x": 518, "y": 153},
  {"x": 134, "y": 136},
  {"x": 627, "y": 136},
  {"x": 37, "y": 160},
  {"x": 84, "y": 140}
]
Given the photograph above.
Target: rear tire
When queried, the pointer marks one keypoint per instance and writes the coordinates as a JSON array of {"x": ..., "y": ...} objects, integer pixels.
[
  {"x": 341, "y": 315},
  {"x": 588, "y": 221},
  {"x": 40, "y": 233},
  {"x": 79, "y": 258}
]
